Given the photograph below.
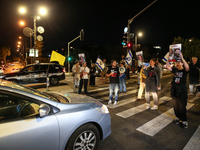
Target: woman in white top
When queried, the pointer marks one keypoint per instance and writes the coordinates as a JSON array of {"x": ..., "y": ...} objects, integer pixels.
[{"x": 84, "y": 71}]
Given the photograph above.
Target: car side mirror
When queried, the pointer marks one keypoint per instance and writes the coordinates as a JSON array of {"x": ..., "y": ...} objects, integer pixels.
[{"x": 44, "y": 110}]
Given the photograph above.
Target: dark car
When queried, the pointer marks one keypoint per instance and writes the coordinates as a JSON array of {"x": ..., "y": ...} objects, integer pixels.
[{"x": 37, "y": 73}]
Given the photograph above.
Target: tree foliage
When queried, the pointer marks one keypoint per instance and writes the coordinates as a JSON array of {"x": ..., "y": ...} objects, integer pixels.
[
  {"x": 4, "y": 52},
  {"x": 190, "y": 47}
]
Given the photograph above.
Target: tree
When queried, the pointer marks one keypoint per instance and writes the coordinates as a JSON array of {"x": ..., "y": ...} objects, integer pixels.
[
  {"x": 4, "y": 52},
  {"x": 190, "y": 47},
  {"x": 39, "y": 46}
]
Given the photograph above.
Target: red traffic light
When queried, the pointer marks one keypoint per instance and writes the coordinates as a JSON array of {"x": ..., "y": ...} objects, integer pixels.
[{"x": 129, "y": 45}]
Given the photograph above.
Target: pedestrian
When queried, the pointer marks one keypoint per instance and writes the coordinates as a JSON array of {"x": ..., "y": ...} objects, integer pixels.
[
  {"x": 160, "y": 73},
  {"x": 179, "y": 90},
  {"x": 193, "y": 74},
  {"x": 76, "y": 73},
  {"x": 122, "y": 78},
  {"x": 84, "y": 71},
  {"x": 92, "y": 74},
  {"x": 142, "y": 84},
  {"x": 113, "y": 73},
  {"x": 104, "y": 71},
  {"x": 138, "y": 75},
  {"x": 152, "y": 83}
]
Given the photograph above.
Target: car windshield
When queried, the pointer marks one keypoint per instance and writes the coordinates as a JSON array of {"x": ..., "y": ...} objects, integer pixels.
[{"x": 29, "y": 90}]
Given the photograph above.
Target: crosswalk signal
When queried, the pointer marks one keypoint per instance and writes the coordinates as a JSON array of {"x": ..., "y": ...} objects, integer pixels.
[{"x": 81, "y": 35}]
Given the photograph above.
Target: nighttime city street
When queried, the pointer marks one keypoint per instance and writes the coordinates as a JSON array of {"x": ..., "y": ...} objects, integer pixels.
[{"x": 99, "y": 75}]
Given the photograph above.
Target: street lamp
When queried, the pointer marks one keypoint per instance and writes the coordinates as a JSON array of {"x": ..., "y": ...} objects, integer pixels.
[
  {"x": 42, "y": 11},
  {"x": 139, "y": 34}
]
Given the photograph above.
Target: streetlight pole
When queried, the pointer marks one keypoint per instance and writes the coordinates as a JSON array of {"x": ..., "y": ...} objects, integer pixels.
[{"x": 34, "y": 21}]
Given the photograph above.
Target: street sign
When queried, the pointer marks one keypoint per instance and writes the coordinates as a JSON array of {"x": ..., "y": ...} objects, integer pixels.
[
  {"x": 40, "y": 29},
  {"x": 39, "y": 38},
  {"x": 28, "y": 31}
]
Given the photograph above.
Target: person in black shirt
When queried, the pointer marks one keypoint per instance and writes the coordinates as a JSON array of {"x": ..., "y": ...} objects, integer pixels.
[
  {"x": 113, "y": 73},
  {"x": 152, "y": 83},
  {"x": 193, "y": 74},
  {"x": 92, "y": 75},
  {"x": 179, "y": 90}
]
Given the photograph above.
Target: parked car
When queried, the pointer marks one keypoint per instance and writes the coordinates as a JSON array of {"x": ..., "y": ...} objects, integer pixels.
[
  {"x": 33, "y": 120},
  {"x": 1, "y": 70},
  {"x": 14, "y": 70},
  {"x": 37, "y": 73}
]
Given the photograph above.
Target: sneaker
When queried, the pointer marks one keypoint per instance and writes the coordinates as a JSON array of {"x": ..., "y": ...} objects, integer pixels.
[
  {"x": 148, "y": 106},
  {"x": 190, "y": 94},
  {"x": 137, "y": 99},
  {"x": 109, "y": 102},
  {"x": 185, "y": 124},
  {"x": 115, "y": 103},
  {"x": 154, "y": 107},
  {"x": 177, "y": 121}
]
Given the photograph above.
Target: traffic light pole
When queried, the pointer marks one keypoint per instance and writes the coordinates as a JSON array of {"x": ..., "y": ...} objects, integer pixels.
[
  {"x": 68, "y": 51},
  {"x": 130, "y": 21}
]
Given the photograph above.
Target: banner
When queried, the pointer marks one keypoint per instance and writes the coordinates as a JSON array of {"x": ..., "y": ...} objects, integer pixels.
[
  {"x": 81, "y": 58},
  {"x": 140, "y": 58},
  {"x": 57, "y": 57},
  {"x": 129, "y": 57},
  {"x": 100, "y": 63},
  {"x": 174, "y": 52}
]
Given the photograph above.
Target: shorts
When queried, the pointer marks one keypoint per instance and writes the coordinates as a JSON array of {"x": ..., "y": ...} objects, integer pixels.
[{"x": 103, "y": 73}]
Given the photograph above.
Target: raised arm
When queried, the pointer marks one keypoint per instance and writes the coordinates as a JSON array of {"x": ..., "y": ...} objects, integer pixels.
[{"x": 187, "y": 68}]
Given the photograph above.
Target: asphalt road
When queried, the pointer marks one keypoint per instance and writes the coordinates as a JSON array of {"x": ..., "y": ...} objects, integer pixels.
[{"x": 134, "y": 127}]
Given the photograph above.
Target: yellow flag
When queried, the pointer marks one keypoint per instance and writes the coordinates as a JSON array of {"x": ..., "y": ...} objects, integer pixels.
[{"x": 57, "y": 57}]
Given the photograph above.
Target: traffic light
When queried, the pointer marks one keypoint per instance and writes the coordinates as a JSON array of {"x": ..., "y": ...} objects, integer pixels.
[
  {"x": 69, "y": 58},
  {"x": 129, "y": 45},
  {"x": 124, "y": 43},
  {"x": 81, "y": 35}
]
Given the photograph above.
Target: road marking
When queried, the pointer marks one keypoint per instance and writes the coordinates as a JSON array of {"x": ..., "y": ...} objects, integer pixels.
[
  {"x": 140, "y": 108},
  {"x": 194, "y": 142},
  {"x": 120, "y": 95},
  {"x": 155, "y": 125},
  {"x": 122, "y": 102},
  {"x": 193, "y": 99}
]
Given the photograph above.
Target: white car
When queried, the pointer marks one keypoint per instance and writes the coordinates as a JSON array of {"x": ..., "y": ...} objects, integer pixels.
[{"x": 1, "y": 70}]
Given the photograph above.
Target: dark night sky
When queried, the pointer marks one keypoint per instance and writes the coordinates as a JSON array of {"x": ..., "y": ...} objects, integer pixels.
[{"x": 102, "y": 20}]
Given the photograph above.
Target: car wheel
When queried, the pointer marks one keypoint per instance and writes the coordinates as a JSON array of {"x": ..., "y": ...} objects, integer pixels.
[
  {"x": 85, "y": 137},
  {"x": 54, "y": 80}
]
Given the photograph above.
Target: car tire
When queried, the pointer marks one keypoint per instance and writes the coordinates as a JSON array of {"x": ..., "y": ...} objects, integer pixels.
[
  {"x": 54, "y": 80},
  {"x": 85, "y": 137}
]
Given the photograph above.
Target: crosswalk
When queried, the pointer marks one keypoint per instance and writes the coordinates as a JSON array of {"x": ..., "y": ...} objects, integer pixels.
[{"x": 150, "y": 127}]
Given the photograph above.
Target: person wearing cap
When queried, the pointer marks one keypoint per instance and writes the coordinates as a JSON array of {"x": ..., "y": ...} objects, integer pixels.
[
  {"x": 193, "y": 74},
  {"x": 76, "y": 73},
  {"x": 179, "y": 90}
]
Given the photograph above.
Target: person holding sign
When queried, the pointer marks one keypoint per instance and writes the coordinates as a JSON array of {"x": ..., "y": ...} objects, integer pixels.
[{"x": 179, "y": 90}]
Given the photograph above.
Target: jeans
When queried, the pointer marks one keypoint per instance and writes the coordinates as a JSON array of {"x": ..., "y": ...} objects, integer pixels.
[
  {"x": 193, "y": 81},
  {"x": 85, "y": 82},
  {"x": 76, "y": 79},
  {"x": 122, "y": 84},
  {"x": 113, "y": 88}
]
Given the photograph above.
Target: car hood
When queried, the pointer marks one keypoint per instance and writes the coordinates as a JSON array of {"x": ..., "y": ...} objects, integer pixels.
[{"x": 77, "y": 98}]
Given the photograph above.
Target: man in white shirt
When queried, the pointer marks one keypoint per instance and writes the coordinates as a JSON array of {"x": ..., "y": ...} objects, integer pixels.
[{"x": 84, "y": 71}]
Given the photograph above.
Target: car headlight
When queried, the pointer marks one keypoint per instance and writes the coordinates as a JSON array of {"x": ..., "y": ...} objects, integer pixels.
[{"x": 104, "y": 109}]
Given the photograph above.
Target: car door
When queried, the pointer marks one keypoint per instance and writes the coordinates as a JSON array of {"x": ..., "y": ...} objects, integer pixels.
[
  {"x": 42, "y": 69},
  {"x": 29, "y": 75},
  {"x": 22, "y": 128}
]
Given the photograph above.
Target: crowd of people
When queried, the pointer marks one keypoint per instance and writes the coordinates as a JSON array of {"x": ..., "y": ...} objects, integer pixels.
[{"x": 149, "y": 80}]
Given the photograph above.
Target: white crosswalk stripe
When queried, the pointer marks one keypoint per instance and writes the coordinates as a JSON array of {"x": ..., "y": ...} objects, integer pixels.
[
  {"x": 155, "y": 125},
  {"x": 193, "y": 99},
  {"x": 140, "y": 108},
  {"x": 194, "y": 142}
]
